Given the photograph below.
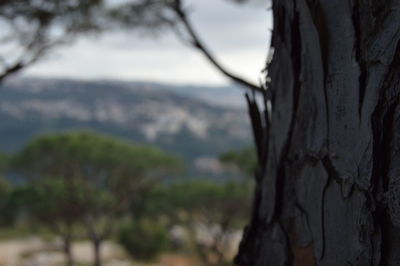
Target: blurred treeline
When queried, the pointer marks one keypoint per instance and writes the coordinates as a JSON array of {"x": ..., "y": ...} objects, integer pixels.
[
  {"x": 87, "y": 186},
  {"x": 82, "y": 185}
]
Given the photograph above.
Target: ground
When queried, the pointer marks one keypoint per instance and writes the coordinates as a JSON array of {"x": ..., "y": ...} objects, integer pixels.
[{"x": 33, "y": 251}]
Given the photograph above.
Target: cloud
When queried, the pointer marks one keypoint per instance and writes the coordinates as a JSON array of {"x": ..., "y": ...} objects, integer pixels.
[{"x": 237, "y": 34}]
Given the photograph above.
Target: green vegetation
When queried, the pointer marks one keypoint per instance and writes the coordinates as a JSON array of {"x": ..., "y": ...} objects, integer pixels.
[
  {"x": 5, "y": 191},
  {"x": 244, "y": 160},
  {"x": 78, "y": 181},
  {"x": 88, "y": 179},
  {"x": 143, "y": 240},
  {"x": 81, "y": 185},
  {"x": 55, "y": 204},
  {"x": 209, "y": 213}
]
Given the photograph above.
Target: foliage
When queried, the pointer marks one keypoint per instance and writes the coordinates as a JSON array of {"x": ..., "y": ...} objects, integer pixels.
[
  {"x": 143, "y": 240},
  {"x": 202, "y": 200},
  {"x": 245, "y": 160},
  {"x": 4, "y": 162},
  {"x": 95, "y": 178},
  {"x": 199, "y": 207},
  {"x": 5, "y": 191},
  {"x": 92, "y": 157},
  {"x": 51, "y": 201},
  {"x": 111, "y": 173}
]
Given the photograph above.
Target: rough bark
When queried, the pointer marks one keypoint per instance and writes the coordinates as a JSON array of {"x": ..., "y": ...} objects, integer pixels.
[{"x": 328, "y": 183}]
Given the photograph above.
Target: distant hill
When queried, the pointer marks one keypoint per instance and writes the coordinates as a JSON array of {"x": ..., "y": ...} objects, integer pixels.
[{"x": 194, "y": 122}]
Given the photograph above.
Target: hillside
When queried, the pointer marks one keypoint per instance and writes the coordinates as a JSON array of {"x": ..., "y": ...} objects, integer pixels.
[{"x": 185, "y": 122}]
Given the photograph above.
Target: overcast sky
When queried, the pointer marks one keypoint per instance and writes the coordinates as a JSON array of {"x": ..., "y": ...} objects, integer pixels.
[{"x": 238, "y": 35}]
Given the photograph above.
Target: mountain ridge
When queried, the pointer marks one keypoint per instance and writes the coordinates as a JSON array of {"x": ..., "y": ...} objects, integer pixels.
[{"x": 187, "y": 125}]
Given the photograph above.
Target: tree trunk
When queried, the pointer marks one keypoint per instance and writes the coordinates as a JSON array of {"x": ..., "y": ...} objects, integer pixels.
[
  {"x": 97, "y": 252},
  {"x": 328, "y": 183},
  {"x": 69, "y": 259}
]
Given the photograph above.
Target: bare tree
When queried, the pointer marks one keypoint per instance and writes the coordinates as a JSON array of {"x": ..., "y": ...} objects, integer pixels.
[{"x": 328, "y": 178}]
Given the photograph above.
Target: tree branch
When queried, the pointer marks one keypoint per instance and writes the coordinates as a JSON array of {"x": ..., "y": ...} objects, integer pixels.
[
  {"x": 196, "y": 43},
  {"x": 10, "y": 70}
]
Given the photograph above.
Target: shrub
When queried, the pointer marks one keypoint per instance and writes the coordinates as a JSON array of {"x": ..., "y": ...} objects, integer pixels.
[{"x": 143, "y": 240}]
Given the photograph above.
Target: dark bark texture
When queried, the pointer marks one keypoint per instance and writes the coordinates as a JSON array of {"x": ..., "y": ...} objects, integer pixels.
[{"x": 328, "y": 181}]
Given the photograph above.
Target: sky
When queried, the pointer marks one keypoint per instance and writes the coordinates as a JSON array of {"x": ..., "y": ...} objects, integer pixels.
[{"x": 238, "y": 35}]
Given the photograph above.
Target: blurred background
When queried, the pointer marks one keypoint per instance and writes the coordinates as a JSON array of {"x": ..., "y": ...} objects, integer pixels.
[{"x": 125, "y": 138}]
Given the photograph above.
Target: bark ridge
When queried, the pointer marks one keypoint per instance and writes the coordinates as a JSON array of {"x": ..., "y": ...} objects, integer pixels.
[{"x": 328, "y": 180}]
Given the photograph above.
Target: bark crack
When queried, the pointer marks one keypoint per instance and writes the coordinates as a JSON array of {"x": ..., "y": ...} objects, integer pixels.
[
  {"x": 358, "y": 47},
  {"x": 382, "y": 121},
  {"x": 296, "y": 51}
]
